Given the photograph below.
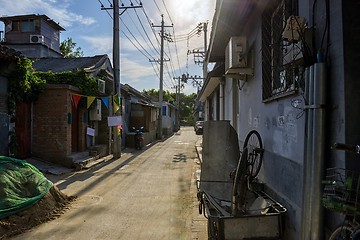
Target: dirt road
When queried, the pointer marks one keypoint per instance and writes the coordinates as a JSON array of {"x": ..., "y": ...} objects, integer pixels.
[{"x": 147, "y": 194}]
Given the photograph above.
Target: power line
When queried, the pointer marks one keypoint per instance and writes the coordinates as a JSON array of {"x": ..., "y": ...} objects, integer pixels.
[
  {"x": 177, "y": 54},
  {"x": 150, "y": 56},
  {"x": 157, "y": 6},
  {"x": 103, "y": 8},
  {"x": 134, "y": 44},
  {"x": 167, "y": 11},
  {"x": 146, "y": 33},
  {"x": 138, "y": 30}
]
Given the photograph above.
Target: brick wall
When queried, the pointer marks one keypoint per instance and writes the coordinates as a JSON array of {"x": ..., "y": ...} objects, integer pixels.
[{"x": 51, "y": 139}]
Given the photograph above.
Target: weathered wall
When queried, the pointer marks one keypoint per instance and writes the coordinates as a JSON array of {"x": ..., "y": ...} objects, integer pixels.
[
  {"x": 51, "y": 138},
  {"x": 351, "y": 75},
  {"x": 282, "y": 126},
  {"x": 220, "y": 158}
]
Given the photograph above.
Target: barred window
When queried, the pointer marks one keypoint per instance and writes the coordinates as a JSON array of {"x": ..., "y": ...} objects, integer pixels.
[{"x": 281, "y": 60}]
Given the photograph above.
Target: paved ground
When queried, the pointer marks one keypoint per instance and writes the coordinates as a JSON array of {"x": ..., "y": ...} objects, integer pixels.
[{"x": 149, "y": 194}]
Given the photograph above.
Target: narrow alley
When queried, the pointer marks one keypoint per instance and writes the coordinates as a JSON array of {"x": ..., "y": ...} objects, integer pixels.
[{"x": 148, "y": 194}]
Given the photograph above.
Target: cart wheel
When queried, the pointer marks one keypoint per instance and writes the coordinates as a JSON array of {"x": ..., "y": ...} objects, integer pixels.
[
  {"x": 240, "y": 184},
  {"x": 253, "y": 144},
  {"x": 342, "y": 232}
]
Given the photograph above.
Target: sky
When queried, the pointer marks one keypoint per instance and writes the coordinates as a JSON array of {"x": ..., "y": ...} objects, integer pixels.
[{"x": 91, "y": 28}]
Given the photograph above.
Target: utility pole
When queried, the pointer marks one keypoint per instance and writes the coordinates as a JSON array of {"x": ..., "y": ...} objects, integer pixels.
[
  {"x": 161, "y": 75},
  {"x": 202, "y": 56},
  {"x": 116, "y": 67},
  {"x": 178, "y": 88},
  {"x": 116, "y": 62},
  {"x": 205, "y": 70}
]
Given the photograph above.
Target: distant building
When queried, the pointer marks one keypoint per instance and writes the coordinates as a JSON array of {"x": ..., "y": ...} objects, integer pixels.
[{"x": 35, "y": 36}]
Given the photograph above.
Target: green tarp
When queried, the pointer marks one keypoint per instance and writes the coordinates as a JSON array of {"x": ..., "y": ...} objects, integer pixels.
[{"x": 21, "y": 186}]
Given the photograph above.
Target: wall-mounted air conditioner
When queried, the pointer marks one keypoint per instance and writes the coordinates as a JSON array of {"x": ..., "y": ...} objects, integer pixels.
[
  {"x": 36, "y": 39},
  {"x": 101, "y": 84},
  {"x": 238, "y": 58},
  {"x": 95, "y": 112},
  {"x": 236, "y": 53}
]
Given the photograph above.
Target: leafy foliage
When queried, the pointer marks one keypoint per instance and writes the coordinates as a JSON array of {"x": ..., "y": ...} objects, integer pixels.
[
  {"x": 187, "y": 103},
  {"x": 154, "y": 94},
  {"x": 87, "y": 85},
  {"x": 24, "y": 84},
  {"x": 69, "y": 50}
]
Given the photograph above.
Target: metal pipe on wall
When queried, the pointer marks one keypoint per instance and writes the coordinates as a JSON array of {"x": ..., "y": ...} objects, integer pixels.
[
  {"x": 307, "y": 166},
  {"x": 313, "y": 171},
  {"x": 222, "y": 105},
  {"x": 318, "y": 160}
]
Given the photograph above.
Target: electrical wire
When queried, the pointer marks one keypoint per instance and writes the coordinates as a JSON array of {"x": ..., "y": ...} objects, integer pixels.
[
  {"x": 167, "y": 12},
  {"x": 150, "y": 41},
  {"x": 151, "y": 49},
  {"x": 149, "y": 55},
  {"x": 177, "y": 54},
  {"x": 102, "y": 6},
  {"x": 134, "y": 44},
  {"x": 141, "y": 34},
  {"x": 157, "y": 6}
]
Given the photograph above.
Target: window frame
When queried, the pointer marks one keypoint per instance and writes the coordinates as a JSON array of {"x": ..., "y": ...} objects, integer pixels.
[
  {"x": 282, "y": 63},
  {"x": 28, "y": 26}
]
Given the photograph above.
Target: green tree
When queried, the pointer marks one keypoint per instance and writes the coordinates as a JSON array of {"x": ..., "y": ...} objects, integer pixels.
[
  {"x": 154, "y": 94},
  {"x": 187, "y": 103},
  {"x": 187, "y": 106},
  {"x": 69, "y": 50}
]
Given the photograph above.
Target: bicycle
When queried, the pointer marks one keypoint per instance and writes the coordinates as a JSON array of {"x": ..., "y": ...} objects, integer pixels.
[
  {"x": 248, "y": 168},
  {"x": 341, "y": 194}
]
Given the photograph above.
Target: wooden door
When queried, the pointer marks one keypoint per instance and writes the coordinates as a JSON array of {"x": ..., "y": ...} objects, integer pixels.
[
  {"x": 74, "y": 129},
  {"x": 23, "y": 129}
]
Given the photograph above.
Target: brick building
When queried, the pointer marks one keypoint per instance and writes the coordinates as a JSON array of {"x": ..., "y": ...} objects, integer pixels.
[{"x": 60, "y": 128}]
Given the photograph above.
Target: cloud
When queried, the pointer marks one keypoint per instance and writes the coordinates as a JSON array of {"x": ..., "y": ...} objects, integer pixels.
[
  {"x": 188, "y": 13},
  {"x": 59, "y": 11},
  {"x": 99, "y": 44},
  {"x": 133, "y": 70}
]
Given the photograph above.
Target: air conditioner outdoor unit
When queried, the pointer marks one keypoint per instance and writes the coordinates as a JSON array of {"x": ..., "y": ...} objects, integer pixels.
[
  {"x": 238, "y": 59},
  {"x": 95, "y": 112},
  {"x": 236, "y": 53},
  {"x": 36, "y": 39},
  {"x": 101, "y": 84}
]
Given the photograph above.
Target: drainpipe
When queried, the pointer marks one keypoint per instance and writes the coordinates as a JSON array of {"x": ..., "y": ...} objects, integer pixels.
[
  {"x": 313, "y": 172},
  {"x": 307, "y": 168},
  {"x": 318, "y": 150},
  {"x": 222, "y": 83}
]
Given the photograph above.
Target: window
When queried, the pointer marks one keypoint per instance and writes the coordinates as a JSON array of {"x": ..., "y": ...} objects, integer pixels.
[
  {"x": 282, "y": 64},
  {"x": 164, "y": 110},
  {"x": 27, "y": 26},
  {"x": 15, "y": 26}
]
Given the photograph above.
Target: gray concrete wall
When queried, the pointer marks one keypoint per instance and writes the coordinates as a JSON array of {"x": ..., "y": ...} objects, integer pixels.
[
  {"x": 220, "y": 156},
  {"x": 282, "y": 133},
  {"x": 282, "y": 127},
  {"x": 36, "y": 51}
]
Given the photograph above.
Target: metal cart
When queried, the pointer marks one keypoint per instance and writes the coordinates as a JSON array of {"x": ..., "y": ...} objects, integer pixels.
[{"x": 229, "y": 195}]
